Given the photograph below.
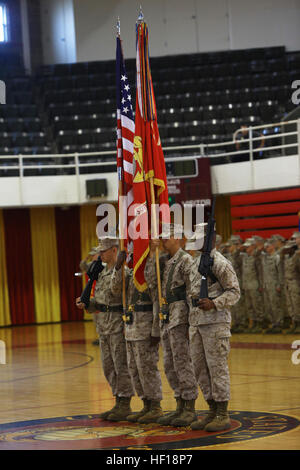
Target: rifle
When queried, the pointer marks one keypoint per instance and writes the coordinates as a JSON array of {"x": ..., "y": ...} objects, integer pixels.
[
  {"x": 206, "y": 260},
  {"x": 93, "y": 272}
]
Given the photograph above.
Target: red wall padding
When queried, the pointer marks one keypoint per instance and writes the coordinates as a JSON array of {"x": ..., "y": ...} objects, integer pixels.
[
  {"x": 267, "y": 196},
  {"x": 265, "y": 222},
  {"x": 19, "y": 265},
  {"x": 265, "y": 209},
  {"x": 249, "y": 211},
  {"x": 68, "y": 251}
]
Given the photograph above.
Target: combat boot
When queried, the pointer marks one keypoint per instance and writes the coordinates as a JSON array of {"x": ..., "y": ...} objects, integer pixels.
[
  {"x": 221, "y": 420},
  {"x": 167, "y": 418},
  {"x": 201, "y": 423},
  {"x": 257, "y": 328},
  {"x": 274, "y": 329},
  {"x": 187, "y": 416},
  {"x": 105, "y": 414},
  {"x": 286, "y": 323},
  {"x": 121, "y": 413},
  {"x": 251, "y": 328},
  {"x": 133, "y": 417},
  {"x": 295, "y": 329},
  {"x": 153, "y": 414},
  {"x": 238, "y": 329}
]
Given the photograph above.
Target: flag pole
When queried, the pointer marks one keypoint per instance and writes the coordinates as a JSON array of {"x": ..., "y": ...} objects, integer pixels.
[
  {"x": 154, "y": 219},
  {"x": 153, "y": 212},
  {"x": 121, "y": 220}
]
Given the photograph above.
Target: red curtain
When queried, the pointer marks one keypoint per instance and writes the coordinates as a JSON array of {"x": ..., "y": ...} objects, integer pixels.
[
  {"x": 69, "y": 255},
  {"x": 19, "y": 265}
]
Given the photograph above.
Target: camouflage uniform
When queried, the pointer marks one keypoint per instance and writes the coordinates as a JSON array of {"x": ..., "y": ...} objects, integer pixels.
[
  {"x": 174, "y": 334},
  {"x": 292, "y": 285},
  {"x": 142, "y": 355},
  {"x": 259, "y": 268},
  {"x": 210, "y": 330},
  {"x": 238, "y": 313},
  {"x": 271, "y": 284},
  {"x": 84, "y": 267},
  {"x": 250, "y": 285},
  {"x": 110, "y": 328}
]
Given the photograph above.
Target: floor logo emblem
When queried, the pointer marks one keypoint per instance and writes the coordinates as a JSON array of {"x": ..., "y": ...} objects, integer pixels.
[{"x": 90, "y": 432}]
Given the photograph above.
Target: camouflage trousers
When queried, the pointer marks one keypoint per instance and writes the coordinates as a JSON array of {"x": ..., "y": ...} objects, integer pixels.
[
  {"x": 177, "y": 362},
  {"x": 254, "y": 305},
  {"x": 114, "y": 364},
  {"x": 142, "y": 365},
  {"x": 292, "y": 294},
  {"x": 273, "y": 305},
  {"x": 210, "y": 347}
]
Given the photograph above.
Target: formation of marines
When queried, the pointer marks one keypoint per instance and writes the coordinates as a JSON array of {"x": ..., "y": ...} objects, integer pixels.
[
  {"x": 269, "y": 275},
  {"x": 258, "y": 281}
]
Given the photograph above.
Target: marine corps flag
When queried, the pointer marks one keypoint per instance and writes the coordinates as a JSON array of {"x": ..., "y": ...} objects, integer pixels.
[{"x": 149, "y": 182}]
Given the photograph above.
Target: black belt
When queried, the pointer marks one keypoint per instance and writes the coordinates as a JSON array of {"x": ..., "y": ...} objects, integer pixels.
[
  {"x": 142, "y": 308},
  {"x": 109, "y": 308},
  {"x": 177, "y": 294}
]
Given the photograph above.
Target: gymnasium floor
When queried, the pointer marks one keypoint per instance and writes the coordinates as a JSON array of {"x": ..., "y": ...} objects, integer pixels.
[{"x": 52, "y": 387}]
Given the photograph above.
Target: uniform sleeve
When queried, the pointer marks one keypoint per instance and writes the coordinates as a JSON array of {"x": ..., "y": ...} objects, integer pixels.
[
  {"x": 116, "y": 282},
  {"x": 84, "y": 266},
  {"x": 150, "y": 274},
  {"x": 230, "y": 284},
  {"x": 185, "y": 269}
]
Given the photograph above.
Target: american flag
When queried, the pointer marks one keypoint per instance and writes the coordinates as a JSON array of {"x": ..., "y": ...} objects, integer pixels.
[{"x": 125, "y": 139}]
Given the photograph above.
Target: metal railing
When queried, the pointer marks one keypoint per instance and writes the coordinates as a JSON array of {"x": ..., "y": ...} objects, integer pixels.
[{"x": 215, "y": 151}]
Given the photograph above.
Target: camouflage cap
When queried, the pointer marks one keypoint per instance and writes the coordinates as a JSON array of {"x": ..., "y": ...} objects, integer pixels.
[
  {"x": 171, "y": 230},
  {"x": 235, "y": 239},
  {"x": 257, "y": 238},
  {"x": 277, "y": 236},
  {"x": 249, "y": 242},
  {"x": 295, "y": 235},
  {"x": 219, "y": 238},
  {"x": 290, "y": 243},
  {"x": 106, "y": 243},
  {"x": 201, "y": 229},
  {"x": 94, "y": 250}
]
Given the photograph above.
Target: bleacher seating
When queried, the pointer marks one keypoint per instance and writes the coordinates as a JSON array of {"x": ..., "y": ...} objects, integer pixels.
[{"x": 201, "y": 98}]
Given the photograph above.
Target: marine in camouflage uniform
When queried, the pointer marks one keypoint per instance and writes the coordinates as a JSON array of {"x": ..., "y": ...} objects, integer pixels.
[
  {"x": 142, "y": 334},
  {"x": 291, "y": 255},
  {"x": 271, "y": 286},
  {"x": 210, "y": 338},
  {"x": 279, "y": 243},
  {"x": 259, "y": 248},
  {"x": 238, "y": 311},
  {"x": 107, "y": 305},
  {"x": 251, "y": 286},
  {"x": 178, "y": 367},
  {"x": 84, "y": 266}
]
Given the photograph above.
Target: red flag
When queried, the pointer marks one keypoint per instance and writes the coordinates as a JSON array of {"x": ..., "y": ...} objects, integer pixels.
[{"x": 148, "y": 159}]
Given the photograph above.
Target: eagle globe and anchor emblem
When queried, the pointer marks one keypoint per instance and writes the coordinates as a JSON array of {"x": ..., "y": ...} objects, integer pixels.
[{"x": 90, "y": 432}]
